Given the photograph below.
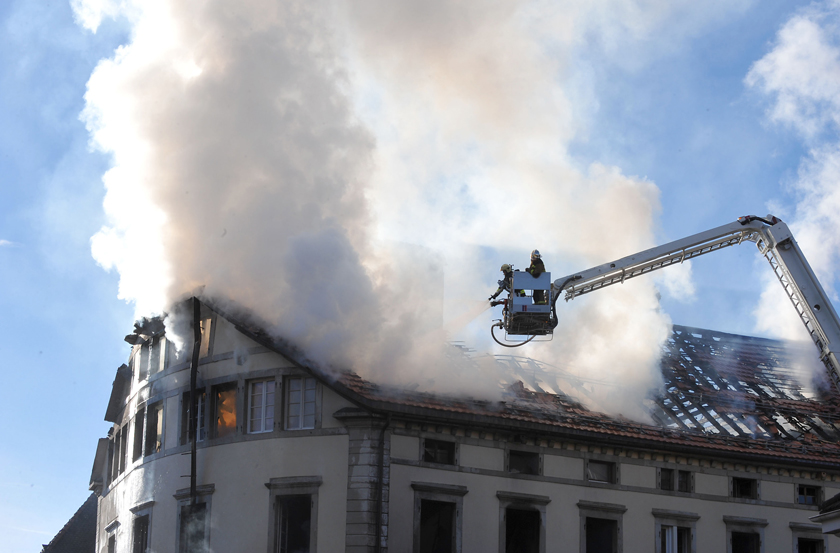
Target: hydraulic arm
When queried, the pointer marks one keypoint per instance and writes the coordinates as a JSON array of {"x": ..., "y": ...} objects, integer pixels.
[{"x": 776, "y": 244}]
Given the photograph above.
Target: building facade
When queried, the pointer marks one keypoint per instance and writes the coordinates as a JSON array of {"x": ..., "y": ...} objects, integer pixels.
[{"x": 289, "y": 459}]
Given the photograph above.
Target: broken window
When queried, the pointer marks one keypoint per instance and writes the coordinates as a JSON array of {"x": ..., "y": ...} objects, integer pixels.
[
  {"x": 601, "y": 535},
  {"x": 437, "y": 526},
  {"x": 523, "y": 462},
  {"x": 666, "y": 479},
  {"x": 141, "y": 534},
  {"x": 746, "y": 488},
  {"x": 261, "y": 406},
  {"x": 186, "y": 405},
  {"x": 192, "y": 534},
  {"x": 204, "y": 347},
  {"x": 154, "y": 428},
  {"x": 224, "y": 410},
  {"x": 300, "y": 403},
  {"x": 745, "y": 542},
  {"x": 438, "y": 451},
  {"x": 139, "y": 420},
  {"x": 808, "y": 545},
  {"x": 807, "y": 495},
  {"x": 675, "y": 539},
  {"x": 600, "y": 471},
  {"x": 293, "y": 519},
  {"x": 522, "y": 531}
]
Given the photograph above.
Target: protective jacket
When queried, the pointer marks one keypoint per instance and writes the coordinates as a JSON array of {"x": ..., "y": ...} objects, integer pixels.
[
  {"x": 536, "y": 269},
  {"x": 504, "y": 284}
]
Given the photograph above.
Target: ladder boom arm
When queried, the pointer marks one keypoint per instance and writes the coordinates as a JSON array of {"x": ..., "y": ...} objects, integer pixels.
[{"x": 774, "y": 240}]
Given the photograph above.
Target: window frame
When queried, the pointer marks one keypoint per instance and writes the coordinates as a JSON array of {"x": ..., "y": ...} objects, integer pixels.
[
  {"x": 523, "y": 502},
  {"x": 201, "y": 426},
  {"x": 516, "y": 451},
  {"x": 158, "y": 406},
  {"x": 818, "y": 495},
  {"x": 455, "y": 451},
  {"x": 756, "y": 488},
  {"x": 614, "y": 475},
  {"x": 677, "y": 519},
  {"x": 287, "y": 403},
  {"x": 267, "y": 382},
  {"x": 807, "y": 531},
  {"x": 139, "y": 511},
  {"x": 293, "y": 485},
  {"x": 204, "y": 494},
  {"x": 228, "y": 385},
  {"x": 139, "y": 441},
  {"x": 608, "y": 511},
  {"x": 746, "y": 525}
]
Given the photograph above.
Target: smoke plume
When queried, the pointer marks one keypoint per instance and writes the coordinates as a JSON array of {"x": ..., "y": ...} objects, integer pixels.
[{"x": 287, "y": 155}]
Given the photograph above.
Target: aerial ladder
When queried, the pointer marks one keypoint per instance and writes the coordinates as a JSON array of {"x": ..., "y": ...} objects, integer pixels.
[{"x": 522, "y": 318}]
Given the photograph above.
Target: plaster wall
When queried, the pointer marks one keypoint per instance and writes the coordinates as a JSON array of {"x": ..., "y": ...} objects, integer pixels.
[
  {"x": 711, "y": 484},
  {"x": 481, "y": 511},
  {"x": 482, "y": 457}
]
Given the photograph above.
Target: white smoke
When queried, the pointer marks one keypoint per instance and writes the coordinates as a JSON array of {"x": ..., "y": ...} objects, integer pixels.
[
  {"x": 801, "y": 76},
  {"x": 274, "y": 153}
]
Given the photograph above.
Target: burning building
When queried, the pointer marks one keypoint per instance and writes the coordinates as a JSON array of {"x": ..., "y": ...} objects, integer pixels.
[{"x": 738, "y": 457}]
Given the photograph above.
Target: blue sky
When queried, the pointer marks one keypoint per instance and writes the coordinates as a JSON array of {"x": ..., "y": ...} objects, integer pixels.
[{"x": 681, "y": 117}]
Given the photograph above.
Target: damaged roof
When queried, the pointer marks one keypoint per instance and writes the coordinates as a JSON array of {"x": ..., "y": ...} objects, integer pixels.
[{"x": 725, "y": 395}]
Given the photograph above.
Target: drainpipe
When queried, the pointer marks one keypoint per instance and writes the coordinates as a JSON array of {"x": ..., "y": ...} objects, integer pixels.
[
  {"x": 193, "y": 398},
  {"x": 380, "y": 470}
]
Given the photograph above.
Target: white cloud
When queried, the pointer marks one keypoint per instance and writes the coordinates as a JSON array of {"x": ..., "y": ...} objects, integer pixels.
[{"x": 8, "y": 244}]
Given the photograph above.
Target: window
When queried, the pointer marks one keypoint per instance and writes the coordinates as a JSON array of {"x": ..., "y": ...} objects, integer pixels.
[
  {"x": 300, "y": 403},
  {"x": 154, "y": 428},
  {"x": 437, "y": 526},
  {"x": 746, "y": 488},
  {"x": 192, "y": 533},
  {"x": 139, "y": 419},
  {"x": 112, "y": 544},
  {"x": 745, "y": 542},
  {"x": 522, "y": 531},
  {"x": 193, "y": 530},
  {"x": 601, "y": 527},
  {"x": 601, "y": 535},
  {"x": 807, "y": 545},
  {"x": 684, "y": 481},
  {"x": 807, "y": 495},
  {"x": 206, "y": 327},
  {"x": 666, "y": 479},
  {"x": 186, "y": 405},
  {"x": 261, "y": 406},
  {"x": 224, "y": 410},
  {"x": 675, "y": 531},
  {"x": 110, "y": 468},
  {"x": 141, "y": 534},
  {"x": 117, "y": 453},
  {"x": 600, "y": 471},
  {"x": 679, "y": 480},
  {"x": 744, "y": 534},
  {"x": 438, "y": 451},
  {"x": 523, "y": 522},
  {"x": 150, "y": 358},
  {"x": 293, "y": 519},
  {"x": 523, "y": 462},
  {"x": 294, "y": 511}
]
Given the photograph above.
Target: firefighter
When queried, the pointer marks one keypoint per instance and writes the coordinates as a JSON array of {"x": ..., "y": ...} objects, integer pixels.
[
  {"x": 536, "y": 269},
  {"x": 504, "y": 284}
]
